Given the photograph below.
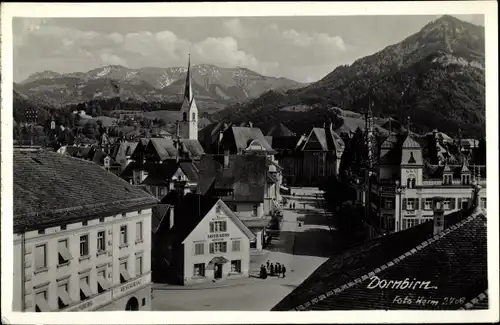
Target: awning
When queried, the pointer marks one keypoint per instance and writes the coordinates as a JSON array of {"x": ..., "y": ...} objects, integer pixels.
[
  {"x": 64, "y": 251},
  {"x": 218, "y": 260},
  {"x": 63, "y": 295},
  {"x": 42, "y": 304},
  {"x": 84, "y": 287},
  {"x": 124, "y": 273},
  {"x": 103, "y": 282}
]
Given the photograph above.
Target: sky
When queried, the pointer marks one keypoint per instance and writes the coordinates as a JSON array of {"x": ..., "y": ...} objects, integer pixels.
[{"x": 304, "y": 49}]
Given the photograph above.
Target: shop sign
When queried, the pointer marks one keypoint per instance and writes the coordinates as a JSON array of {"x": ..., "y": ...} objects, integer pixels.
[
  {"x": 131, "y": 286},
  {"x": 92, "y": 303},
  {"x": 218, "y": 235}
]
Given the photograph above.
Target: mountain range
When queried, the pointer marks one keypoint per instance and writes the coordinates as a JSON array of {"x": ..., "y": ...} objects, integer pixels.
[
  {"x": 214, "y": 87},
  {"x": 435, "y": 77}
]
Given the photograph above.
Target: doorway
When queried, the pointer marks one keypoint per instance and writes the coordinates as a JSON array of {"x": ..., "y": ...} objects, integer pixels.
[
  {"x": 132, "y": 304},
  {"x": 217, "y": 271}
]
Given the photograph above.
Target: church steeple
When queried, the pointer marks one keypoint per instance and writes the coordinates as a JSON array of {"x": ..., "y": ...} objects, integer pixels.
[
  {"x": 188, "y": 90},
  {"x": 189, "y": 110}
]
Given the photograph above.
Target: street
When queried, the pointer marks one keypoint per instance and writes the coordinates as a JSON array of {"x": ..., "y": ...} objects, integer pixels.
[{"x": 302, "y": 249}]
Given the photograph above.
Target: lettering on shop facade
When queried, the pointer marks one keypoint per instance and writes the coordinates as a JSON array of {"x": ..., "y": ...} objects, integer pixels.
[{"x": 221, "y": 235}]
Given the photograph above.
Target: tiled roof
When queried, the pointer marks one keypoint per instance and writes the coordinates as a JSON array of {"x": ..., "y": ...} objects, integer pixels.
[
  {"x": 453, "y": 260},
  {"x": 188, "y": 214},
  {"x": 51, "y": 189},
  {"x": 245, "y": 175},
  {"x": 192, "y": 147},
  {"x": 159, "y": 174},
  {"x": 279, "y": 130},
  {"x": 165, "y": 148},
  {"x": 244, "y": 135}
]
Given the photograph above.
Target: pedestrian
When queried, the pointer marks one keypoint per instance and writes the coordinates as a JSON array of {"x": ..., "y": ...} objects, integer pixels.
[
  {"x": 283, "y": 270},
  {"x": 271, "y": 266},
  {"x": 268, "y": 266},
  {"x": 263, "y": 273},
  {"x": 278, "y": 271}
]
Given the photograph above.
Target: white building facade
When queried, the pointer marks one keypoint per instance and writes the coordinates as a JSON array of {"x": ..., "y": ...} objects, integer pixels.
[{"x": 98, "y": 264}]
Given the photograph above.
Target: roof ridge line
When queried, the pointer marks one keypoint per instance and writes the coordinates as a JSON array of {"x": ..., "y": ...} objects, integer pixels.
[
  {"x": 475, "y": 300},
  {"x": 388, "y": 264}
]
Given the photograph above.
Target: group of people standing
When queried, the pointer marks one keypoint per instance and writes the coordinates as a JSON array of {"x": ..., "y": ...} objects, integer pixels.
[{"x": 272, "y": 270}]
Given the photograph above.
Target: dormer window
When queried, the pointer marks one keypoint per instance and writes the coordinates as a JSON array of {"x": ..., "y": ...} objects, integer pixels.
[
  {"x": 465, "y": 179},
  {"x": 411, "y": 181},
  {"x": 447, "y": 180}
]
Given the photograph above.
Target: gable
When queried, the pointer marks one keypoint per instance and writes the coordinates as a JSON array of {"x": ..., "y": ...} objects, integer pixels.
[
  {"x": 312, "y": 143},
  {"x": 235, "y": 227},
  {"x": 179, "y": 175}
]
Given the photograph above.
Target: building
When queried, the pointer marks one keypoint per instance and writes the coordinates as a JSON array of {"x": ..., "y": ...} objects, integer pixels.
[
  {"x": 313, "y": 158},
  {"x": 405, "y": 184},
  {"x": 199, "y": 239},
  {"x": 82, "y": 236},
  {"x": 189, "y": 110},
  {"x": 421, "y": 268}
]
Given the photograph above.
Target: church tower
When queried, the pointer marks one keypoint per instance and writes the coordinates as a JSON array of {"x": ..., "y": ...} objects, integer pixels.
[{"x": 189, "y": 110}]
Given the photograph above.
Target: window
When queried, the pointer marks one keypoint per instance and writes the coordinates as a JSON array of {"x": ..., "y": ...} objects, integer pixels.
[
  {"x": 85, "y": 291},
  {"x": 193, "y": 117},
  {"x": 161, "y": 191},
  {"x": 41, "y": 231},
  {"x": 123, "y": 235},
  {"x": 101, "y": 219},
  {"x": 199, "y": 269},
  {"x": 144, "y": 301},
  {"x": 64, "y": 254},
  {"x": 388, "y": 203},
  {"x": 412, "y": 159},
  {"x": 447, "y": 180},
  {"x": 218, "y": 247},
  {"x": 101, "y": 243},
  {"x": 236, "y": 266},
  {"x": 41, "y": 256},
  {"x": 217, "y": 209},
  {"x": 218, "y": 226},
  {"x": 446, "y": 204},
  {"x": 63, "y": 227},
  {"x": 84, "y": 245},
  {"x": 41, "y": 304},
  {"x": 255, "y": 210},
  {"x": 124, "y": 275},
  {"x": 428, "y": 204},
  {"x": 236, "y": 246},
  {"x": 138, "y": 266},
  {"x": 138, "y": 231},
  {"x": 84, "y": 223},
  {"x": 63, "y": 297},
  {"x": 409, "y": 223},
  {"x": 410, "y": 204},
  {"x": 199, "y": 248},
  {"x": 184, "y": 116}
]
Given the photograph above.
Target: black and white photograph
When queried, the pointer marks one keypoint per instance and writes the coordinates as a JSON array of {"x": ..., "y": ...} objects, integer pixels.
[{"x": 235, "y": 162}]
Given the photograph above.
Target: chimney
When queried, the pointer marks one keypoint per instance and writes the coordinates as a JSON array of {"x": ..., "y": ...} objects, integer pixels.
[
  {"x": 226, "y": 158},
  {"x": 171, "y": 218},
  {"x": 438, "y": 220}
]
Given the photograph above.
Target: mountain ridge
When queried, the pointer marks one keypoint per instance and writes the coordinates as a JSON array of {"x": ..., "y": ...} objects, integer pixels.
[{"x": 436, "y": 73}]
